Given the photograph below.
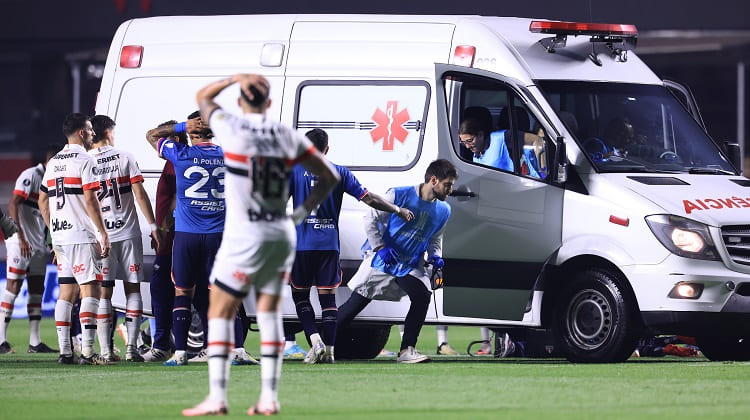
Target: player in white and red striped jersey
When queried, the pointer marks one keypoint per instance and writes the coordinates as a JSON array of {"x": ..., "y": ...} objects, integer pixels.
[
  {"x": 27, "y": 255},
  {"x": 259, "y": 237},
  {"x": 67, "y": 200},
  {"x": 120, "y": 187}
]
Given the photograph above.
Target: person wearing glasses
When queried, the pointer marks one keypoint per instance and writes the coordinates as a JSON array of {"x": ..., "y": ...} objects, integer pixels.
[{"x": 487, "y": 147}]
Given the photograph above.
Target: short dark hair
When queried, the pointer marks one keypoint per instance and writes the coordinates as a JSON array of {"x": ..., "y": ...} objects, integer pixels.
[
  {"x": 181, "y": 137},
  {"x": 194, "y": 114},
  {"x": 440, "y": 169},
  {"x": 206, "y": 134},
  {"x": 74, "y": 122},
  {"x": 101, "y": 123},
  {"x": 319, "y": 138},
  {"x": 258, "y": 98}
]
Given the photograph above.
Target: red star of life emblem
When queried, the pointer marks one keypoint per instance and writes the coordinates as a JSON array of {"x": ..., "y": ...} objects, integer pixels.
[{"x": 390, "y": 125}]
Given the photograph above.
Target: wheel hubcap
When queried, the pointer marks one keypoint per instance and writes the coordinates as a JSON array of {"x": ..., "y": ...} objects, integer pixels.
[{"x": 589, "y": 319}]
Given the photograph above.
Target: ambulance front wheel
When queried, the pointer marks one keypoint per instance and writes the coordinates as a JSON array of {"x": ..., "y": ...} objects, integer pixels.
[
  {"x": 593, "y": 321},
  {"x": 361, "y": 342},
  {"x": 720, "y": 348}
]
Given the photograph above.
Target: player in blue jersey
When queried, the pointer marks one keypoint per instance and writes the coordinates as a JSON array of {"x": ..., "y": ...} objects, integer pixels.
[
  {"x": 395, "y": 265},
  {"x": 199, "y": 220},
  {"x": 317, "y": 258}
]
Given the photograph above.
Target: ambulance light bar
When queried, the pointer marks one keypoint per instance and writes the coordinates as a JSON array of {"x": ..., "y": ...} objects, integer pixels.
[{"x": 578, "y": 28}]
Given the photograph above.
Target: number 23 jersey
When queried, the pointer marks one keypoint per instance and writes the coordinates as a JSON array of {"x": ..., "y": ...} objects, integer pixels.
[{"x": 260, "y": 155}]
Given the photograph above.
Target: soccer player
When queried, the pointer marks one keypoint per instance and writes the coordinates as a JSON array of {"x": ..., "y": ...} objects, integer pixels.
[
  {"x": 317, "y": 258},
  {"x": 259, "y": 248},
  {"x": 121, "y": 186},
  {"x": 199, "y": 221},
  {"x": 79, "y": 237},
  {"x": 27, "y": 255},
  {"x": 396, "y": 267}
]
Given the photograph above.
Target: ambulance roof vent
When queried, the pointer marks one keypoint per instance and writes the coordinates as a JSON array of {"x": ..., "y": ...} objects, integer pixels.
[
  {"x": 618, "y": 38},
  {"x": 741, "y": 182},
  {"x": 658, "y": 180}
]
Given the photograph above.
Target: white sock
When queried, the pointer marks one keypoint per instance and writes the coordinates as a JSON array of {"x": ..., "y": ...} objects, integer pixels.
[
  {"x": 133, "y": 313},
  {"x": 401, "y": 330},
  {"x": 271, "y": 343},
  {"x": 329, "y": 350},
  {"x": 6, "y": 312},
  {"x": 63, "y": 311},
  {"x": 485, "y": 334},
  {"x": 220, "y": 334},
  {"x": 89, "y": 307},
  {"x": 442, "y": 334},
  {"x": 315, "y": 339},
  {"x": 103, "y": 325},
  {"x": 34, "y": 309},
  {"x": 289, "y": 344}
]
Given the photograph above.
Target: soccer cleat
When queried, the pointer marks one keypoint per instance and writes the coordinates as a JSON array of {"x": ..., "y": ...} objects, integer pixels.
[
  {"x": 5, "y": 348},
  {"x": 241, "y": 357},
  {"x": 200, "y": 357},
  {"x": 131, "y": 355},
  {"x": 105, "y": 360},
  {"x": 156, "y": 355},
  {"x": 328, "y": 359},
  {"x": 315, "y": 355},
  {"x": 411, "y": 355},
  {"x": 294, "y": 352},
  {"x": 386, "y": 353},
  {"x": 67, "y": 359},
  {"x": 176, "y": 361},
  {"x": 8, "y": 226},
  {"x": 504, "y": 346},
  {"x": 446, "y": 350},
  {"x": 207, "y": 408},
  {"x": 257, "y": 410},
  {"x": 41, "y": 348},
  {"x": 485, "y": 349}
]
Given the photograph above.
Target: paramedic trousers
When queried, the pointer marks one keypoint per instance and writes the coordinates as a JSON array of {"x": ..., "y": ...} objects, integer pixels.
[{"x": 420, "y": 301}]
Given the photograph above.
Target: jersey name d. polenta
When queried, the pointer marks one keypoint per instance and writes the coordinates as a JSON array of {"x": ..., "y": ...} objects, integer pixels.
[
  {"x": 260, "y": 154},
  {"x": 27, "y": 187},
  {"x": 68, "y": 174},
  {"x": 320, "y": 230},
  {"x": 116, "y": 171},
  {"x": 199, "y": 172}
]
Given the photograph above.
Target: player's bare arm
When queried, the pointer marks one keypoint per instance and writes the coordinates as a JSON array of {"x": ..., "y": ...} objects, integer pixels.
[
  {"x": 379, "y": 203},
  {"x": 43, "y": 203},
  {"x": 205, "y": 97},
  {"x": 328, "y": 177},
  {"x": 15, "y": 201},
  {"x": 95, "y": 214},
  {"x": 141, "y": 196}
]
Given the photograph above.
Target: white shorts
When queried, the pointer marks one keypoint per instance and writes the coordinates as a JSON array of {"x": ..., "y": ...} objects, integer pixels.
[
  {"x": 79, "y": 261},
  {"x": 263, "y": 264},
  {"x": 125, "y": 261},
  {"x": 20, "y": 267},
  {"x": 377, "y": 285}
]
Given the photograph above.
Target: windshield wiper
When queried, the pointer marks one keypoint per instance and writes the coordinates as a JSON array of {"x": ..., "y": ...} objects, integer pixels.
[{"x": 710, "y": 171}]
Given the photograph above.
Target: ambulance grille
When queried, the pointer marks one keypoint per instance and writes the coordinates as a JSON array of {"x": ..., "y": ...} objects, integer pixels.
[{"x": 737, "y": 241}]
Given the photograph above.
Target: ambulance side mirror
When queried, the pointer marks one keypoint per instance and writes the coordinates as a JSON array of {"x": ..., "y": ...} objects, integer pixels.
[
  {"x": 561, "y": 161},
  {"x": 733, "y": 152}
]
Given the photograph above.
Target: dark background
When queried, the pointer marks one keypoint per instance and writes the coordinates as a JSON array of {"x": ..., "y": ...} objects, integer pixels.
[{"x": 43, "y": 43}]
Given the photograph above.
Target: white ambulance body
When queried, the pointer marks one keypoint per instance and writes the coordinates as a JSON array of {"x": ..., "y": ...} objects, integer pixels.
[{"x": 600, "y": 245}]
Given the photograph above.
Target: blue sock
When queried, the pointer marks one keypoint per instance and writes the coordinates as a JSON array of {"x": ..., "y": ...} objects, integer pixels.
[
  {"x": 181, "y": 318},
  {"x": 330, "y": 313},
  {"x": 305, "y": 311}
]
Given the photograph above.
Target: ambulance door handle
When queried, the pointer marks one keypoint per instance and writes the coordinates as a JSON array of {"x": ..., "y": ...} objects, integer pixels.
[{"x": 462, "y": 194}]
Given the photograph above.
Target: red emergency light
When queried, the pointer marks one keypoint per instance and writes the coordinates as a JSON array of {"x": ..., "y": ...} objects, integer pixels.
[
  {"x": 463, "y": 55},
  {"x": 131, "y": 56},
  {"x": 580, "y": 28}
]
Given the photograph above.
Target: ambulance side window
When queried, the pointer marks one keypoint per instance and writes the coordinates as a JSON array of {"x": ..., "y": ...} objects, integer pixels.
[{"x": 491, "y": 127}]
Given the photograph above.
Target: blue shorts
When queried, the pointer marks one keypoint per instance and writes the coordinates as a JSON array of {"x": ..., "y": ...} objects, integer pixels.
[
  {"x": 316, "y": 268},
  {"x": 193, "y": 258}
]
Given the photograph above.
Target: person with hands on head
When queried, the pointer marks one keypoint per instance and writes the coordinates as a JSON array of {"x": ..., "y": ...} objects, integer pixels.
[
  {"x": 258, "y": 249},
  {"x": 70, "y": 209},
  {"x": 317, "y": 258},
  {"x": 27, "y": 255},
  {"x": 396, "y": 265}
]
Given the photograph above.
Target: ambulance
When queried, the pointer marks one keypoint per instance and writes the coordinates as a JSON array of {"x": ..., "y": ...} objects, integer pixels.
[{"x": 616, "y": 218}]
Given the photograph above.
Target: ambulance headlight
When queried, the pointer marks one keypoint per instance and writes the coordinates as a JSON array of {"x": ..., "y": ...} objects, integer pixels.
[{"x": 684, "y": 237}]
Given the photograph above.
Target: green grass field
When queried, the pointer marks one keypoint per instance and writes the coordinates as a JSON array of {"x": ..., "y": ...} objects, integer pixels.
[{"x": 35, "y": 386}]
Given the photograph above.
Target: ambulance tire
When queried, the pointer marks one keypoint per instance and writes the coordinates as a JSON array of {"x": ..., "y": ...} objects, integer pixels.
[
  {"x": 361, "y": 342},
  {"x": 719, "y": 348},
  {"x": 593, "y": 321}
]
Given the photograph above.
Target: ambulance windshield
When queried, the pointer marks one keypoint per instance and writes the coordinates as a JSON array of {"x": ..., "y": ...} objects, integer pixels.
[{"x": 634, "y": 128}]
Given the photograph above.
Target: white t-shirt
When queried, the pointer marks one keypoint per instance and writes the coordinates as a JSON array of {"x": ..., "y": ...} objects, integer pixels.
[
  {"x": 259, "y": 155},
  {"x": 68, "y": 174},
  {"x": 116, "y": 171},
  {"x": 27, "y": 187}
]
